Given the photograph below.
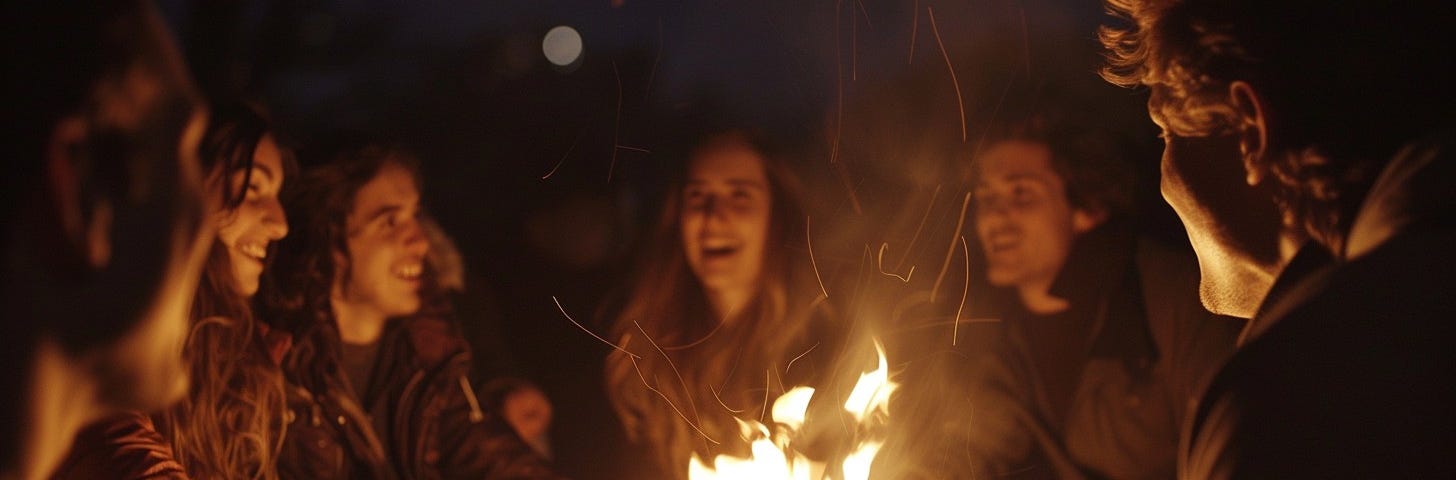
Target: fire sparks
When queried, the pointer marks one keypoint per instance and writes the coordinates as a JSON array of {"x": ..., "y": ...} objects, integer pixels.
[{"x": 773, "y": 454}]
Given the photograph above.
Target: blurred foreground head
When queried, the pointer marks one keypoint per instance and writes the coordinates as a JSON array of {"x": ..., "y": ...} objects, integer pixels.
[
  {"x": 104, "y": 238},
  {"x": 1275, "y": 133}
]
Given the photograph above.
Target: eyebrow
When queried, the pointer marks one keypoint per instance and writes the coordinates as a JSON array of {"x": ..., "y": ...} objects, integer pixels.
[
  {"x": 382, "y": 211},
  {"x": 266, "y": 170}
]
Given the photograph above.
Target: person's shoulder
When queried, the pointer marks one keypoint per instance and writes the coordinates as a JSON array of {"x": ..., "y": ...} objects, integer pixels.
[
  {"x": 124, "y": 446},
  {"x": 1401, "y": 284},
  {"x": 1351, "y": 380}
]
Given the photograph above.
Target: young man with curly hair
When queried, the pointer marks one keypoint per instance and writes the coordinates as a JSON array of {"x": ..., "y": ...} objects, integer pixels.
[{"x": 1340, "y": 118}]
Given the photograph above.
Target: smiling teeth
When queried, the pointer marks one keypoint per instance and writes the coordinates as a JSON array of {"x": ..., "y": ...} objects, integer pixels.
[
  {"x": 254, "y": 250},
  {"x": 411, "y": 271}
]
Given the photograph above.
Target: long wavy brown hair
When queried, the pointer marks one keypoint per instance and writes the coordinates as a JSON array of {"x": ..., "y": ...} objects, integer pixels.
[
  {"x": 230, "y": 424},
  {"x": 296, "y": 293},
  {"x": 688, "y": 370}
]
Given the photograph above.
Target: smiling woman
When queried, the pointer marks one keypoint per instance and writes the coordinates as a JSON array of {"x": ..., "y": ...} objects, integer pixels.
[
  {"x": 232, "y": 418},
  {"x": 724, "y": 220},
  {"x": 720, "y": 307}
]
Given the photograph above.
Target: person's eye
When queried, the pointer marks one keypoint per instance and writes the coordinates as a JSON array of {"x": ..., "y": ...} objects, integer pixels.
[
  {"x": 1022, "y": 194},
  {"x": 693, "y": 199}
]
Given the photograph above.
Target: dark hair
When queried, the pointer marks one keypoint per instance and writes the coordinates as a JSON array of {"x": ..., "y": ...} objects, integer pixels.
[
  {"x": 669, "y": 305},
  {"x": 1345, "y": 88},
  {"x": 295, "y": 294},
  {"x": 1091, "y": 162},
  {"x": 231, "y": 421}
]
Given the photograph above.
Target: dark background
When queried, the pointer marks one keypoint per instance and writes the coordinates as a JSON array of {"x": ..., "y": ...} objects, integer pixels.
[{"x": 861, "y": 86}]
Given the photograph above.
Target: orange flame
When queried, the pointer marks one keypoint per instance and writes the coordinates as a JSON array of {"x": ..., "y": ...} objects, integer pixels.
[{"x": 772, "y": 454}]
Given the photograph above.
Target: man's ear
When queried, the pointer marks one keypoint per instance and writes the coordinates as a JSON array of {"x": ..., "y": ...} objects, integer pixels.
[
  {"x": 1085, "y": 219},
  {"x": 87, "y": 228},
  {"x": 1252, "y": 129}
]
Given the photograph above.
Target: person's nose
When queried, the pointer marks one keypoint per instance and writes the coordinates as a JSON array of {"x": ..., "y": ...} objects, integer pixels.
[
  {"x": 275, "y": 221},
  {"x": 715, "y": 212},
  {"x": 414, "y": 239},
  {"x": 993, "y": 208}
]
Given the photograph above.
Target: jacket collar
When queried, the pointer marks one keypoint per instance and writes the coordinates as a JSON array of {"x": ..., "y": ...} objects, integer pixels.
[
  {"x": 1100, "y": 280},
  {"x": 1095, "y": 264},
  {"x": 1413, "y": 189},
  {"x": 1412, "y": 192}
]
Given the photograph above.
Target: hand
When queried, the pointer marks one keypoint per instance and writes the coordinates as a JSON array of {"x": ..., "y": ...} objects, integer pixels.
[{"x": 528, "y": 411}]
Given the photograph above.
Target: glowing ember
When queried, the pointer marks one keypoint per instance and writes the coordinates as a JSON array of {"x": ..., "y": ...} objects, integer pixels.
[{"x": 773, "y": 456}]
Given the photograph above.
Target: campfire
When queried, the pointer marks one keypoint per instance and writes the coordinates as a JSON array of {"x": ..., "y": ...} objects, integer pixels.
[{"x": 773, "y": 454}]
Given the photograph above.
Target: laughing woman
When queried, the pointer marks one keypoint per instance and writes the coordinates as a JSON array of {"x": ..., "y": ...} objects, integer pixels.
[
  {"x": 720, "y": 310},
  {"x": 230, "y": 423}
]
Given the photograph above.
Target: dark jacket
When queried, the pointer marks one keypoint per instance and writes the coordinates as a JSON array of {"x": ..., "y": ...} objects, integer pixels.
[
  {"x": 1346, "y": 370},
  {"x": 122, "y": 447},
  {"x": 419, "y": 420},
  {"x": 1143, "y": 349}
]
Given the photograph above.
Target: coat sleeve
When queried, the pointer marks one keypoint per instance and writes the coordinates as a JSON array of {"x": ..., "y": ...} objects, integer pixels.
[
  {"x": 472, "y": 442},
  {"x": 124, "y": 447}
]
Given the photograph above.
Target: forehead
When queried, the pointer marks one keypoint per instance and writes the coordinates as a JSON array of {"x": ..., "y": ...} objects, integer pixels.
[
  {"x": 1014, "y": 160},
  {"x": 394, "y": 185},
  {"x": 726, "y": 161},
  {"x": 268, "y": 157}
]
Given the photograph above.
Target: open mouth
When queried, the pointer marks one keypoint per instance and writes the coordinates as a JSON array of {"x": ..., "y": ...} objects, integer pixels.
[
  {"x": 719, "y": 252},
  {"x": 409, "y": 271},
  {"x": 255, "y": 251},
  {"x": 1000, "y": 242}
]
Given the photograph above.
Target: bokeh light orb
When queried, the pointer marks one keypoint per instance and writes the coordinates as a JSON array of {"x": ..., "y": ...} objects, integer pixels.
[{"x": 562, "y": 46}]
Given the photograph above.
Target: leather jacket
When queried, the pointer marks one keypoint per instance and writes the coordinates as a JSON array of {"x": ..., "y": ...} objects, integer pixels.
[{"x": 420, "y": 419}]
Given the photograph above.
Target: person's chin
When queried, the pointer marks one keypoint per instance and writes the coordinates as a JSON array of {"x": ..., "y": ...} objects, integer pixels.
[
  {"x": 1228, "y": 283},
  {"x": 722, "y": 279},
  {"x": 404, "y": 307},
  {"x": 1001, "y": 277},
  {"x": 248, "y": 287}
]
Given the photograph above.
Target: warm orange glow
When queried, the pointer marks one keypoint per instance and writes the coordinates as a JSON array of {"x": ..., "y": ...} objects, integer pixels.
[{"x": 773, "y": 456}]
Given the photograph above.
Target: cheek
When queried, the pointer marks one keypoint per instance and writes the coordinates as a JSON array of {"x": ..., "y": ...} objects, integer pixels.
[
  {"x": 234, "y": 225},
  {"x": 1170, "y": 183},
  {"x": 1050, "y": 226},
  {"x": 230, "y": 228},
  {"x": 755, "y": 227},
  {"x": 688, "y": 227},
  {"x": 981, "y": 224},
  {"x": 755, "y": 231},
  {"x": 377, "y": 262}
]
